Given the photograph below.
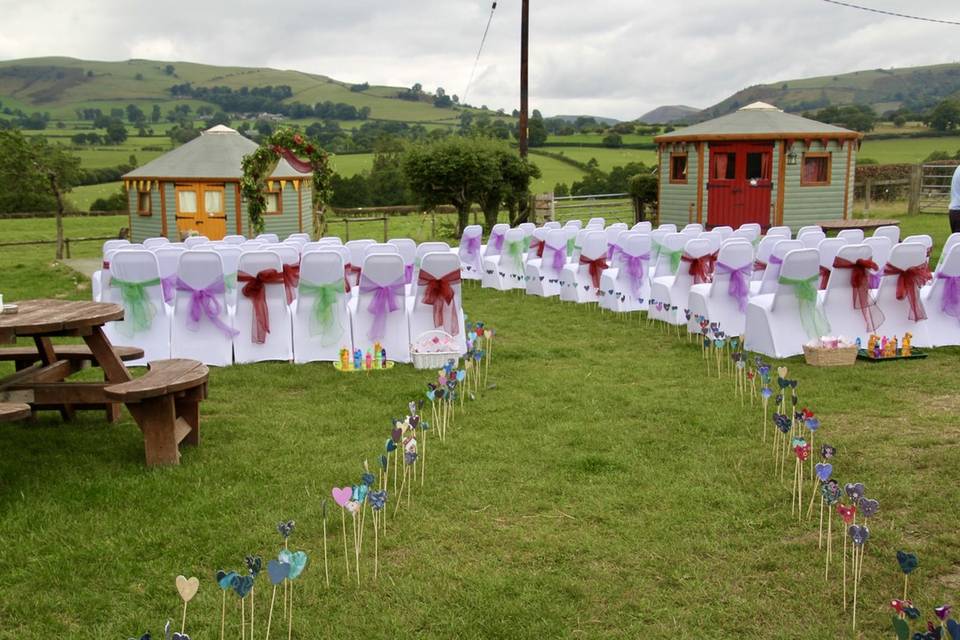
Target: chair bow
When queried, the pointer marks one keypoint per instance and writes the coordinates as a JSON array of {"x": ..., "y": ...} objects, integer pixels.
[
  {"x": 515, "y": 251},
  {"x": 350, "y": 269},
  {"x": 347, "y": 272},
  {"x": 203, "y": 302},
  {"x": 383, "y": 301},
  {"x": 105, "y": 264},
  {"x": 739, "y": 288},
  {"x": 811, "y": 316},
  {"x": 537, "y": 246},
  {"x": 635, "y": 270},
  {"x": 674, "y": 257},
  {"x": 612, "y": 250},
  {"x": 496, "y": 239},
  {"x": 439, "y": 293},
  {"x": 909, "y": 282},
  {"x": 254, "y": 289},
  {"x": 951, "y": 295},
  {"x": 759, "y": 265},
  {"x": 408, "y": 273},
  {"x": 168, "y": 285},
  {"x": 571, "y": 245},
  {"x": 471, "y": 245},
  {"x": 597, "y": 265},
  {"x": 824, "y": 277},
  {"x": 699, "y": 267},
  {"x": 291, "y": 278},
  {"x": 138, "y": 309},
  {"x": 323, "y": 319},
  {"x": 860, "y": 284},
  {"x": 559, "y": 256}
]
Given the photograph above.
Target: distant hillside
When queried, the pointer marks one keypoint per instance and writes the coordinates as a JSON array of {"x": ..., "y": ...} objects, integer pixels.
[
  {"x": 668, "y": 114},
  {"x": 599, "y": 119},
  {"x": 883, "y": 89},
  {"x": 60, "y": 86}
]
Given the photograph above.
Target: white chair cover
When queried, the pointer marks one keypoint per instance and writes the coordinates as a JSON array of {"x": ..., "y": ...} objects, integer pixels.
[
  {"x": 941, "y": 302},
  {"x": 268, "y": 237},
  {"x": 669, "y": 227},
  {"x": 277, "y": 343},
  {"x": 952, "y": 240},
  {"x": 234, "y": 239},
  {"x": 891, "y": 232},
  {"x": 751, "y": 226},
  {"x": 382, "y": 287},
  {"x": 673, "y": 292},
  {"x": 724, "y": 231},
  {"x": 922, "y": 239},
  {"x": 321, "y": 317},
  {"x": 542, "y": 275},
  {"x": 444, "y": 266},
  {"x": 290, "y": 257},
  {"x": 193, "y": 241},
  {"x": 380, "y": 247},
  {"x": 408, "y": 251},
  {"x": 578, "y": 285},
  {"x": 596, "y": 221},
  {"x": 897, "y": 322},
  {"x": 358, "y": 249},
  {"x": 471, "y": 261},
  {"x": 693, "y": 226},
  {"x": 153, "y": 243},
  {"x": 576, "y": 224},
  {"x": 230, "y": 259},
  {"x": 762, "y": 258},
  {"x": 666, "y": 256},
  {"x": 505, "y": 271},
  {"x": 807, "y": 229},
  {"x": 134, "y": 283},
  {"x": 780, "y": 232},
  {"x": 495, "y": 243},
  {"x": 837, "y": 299},
  {"x": 852, "y": 236},
  {"x": 644, "y": 226},
  {"x": 777, "y": 326},
  {"x": 880, "y": 247},
  {"x": 202, "y": 327},
  {"x": 168, "y": 259},
  {"x": 724, "y": 300},
  {"x": 305, "y": 237},
  {"x": 771, "y": 274},
  {"x": 101, "y": 274},
  {"x": 626, "y": 287},
  {"x": 811, "y": 239}
]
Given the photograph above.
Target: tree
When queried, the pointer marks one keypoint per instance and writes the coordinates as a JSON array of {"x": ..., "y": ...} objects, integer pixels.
[
  {"x": 219, "y": 118},
  {"x": 34, "y": 175},
  {"x": 511, "y": 189},
  {"x": 536, "y": 130},
  {"x": 135, "y": 113},
  {"x": 155, "y": 114},
  {"x": 454, "y": 170},
  {"x": 946, "y": 116},
  {"x": 614, "y": 140},
  {"x": 116, "y": 132},
  {"x": 263, "y": 127},
  {"x": 441, "y": 100},
  {"x": 169, "y": 70}
]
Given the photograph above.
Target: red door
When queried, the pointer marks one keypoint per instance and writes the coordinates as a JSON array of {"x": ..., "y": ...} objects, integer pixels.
[{"x": 739, "y": 184}]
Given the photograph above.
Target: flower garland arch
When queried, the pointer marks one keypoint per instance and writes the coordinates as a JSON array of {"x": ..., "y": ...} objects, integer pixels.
[{"x": 258, "y": 166}]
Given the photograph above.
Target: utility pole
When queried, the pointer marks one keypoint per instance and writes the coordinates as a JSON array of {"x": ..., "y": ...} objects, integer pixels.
[{"x": 524, "y": 40}]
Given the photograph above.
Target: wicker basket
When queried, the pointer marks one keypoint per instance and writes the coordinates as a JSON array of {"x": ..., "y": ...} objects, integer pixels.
[
  {"x": 434, "y": 359},
  {"x": 824, "y": 357}
]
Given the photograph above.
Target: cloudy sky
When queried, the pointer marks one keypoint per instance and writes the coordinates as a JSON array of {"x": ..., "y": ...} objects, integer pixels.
[{"x": 617, "y": 58}]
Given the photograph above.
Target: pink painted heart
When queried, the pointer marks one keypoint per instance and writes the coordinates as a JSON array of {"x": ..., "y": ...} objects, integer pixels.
[{"x": 342, "y": 496}]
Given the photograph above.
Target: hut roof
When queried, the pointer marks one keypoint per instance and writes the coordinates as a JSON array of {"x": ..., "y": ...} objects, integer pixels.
[
  {"x": 758, "y": 121},
  {"x": 217, "y": 153}
]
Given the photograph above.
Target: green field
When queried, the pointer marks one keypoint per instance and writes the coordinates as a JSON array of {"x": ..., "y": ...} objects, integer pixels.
[
  {"x": 606, "y": 159},
  {"x": 82, "y": 197},
  {"x": 595, "y": 138},
  {"x": 577, "y": 497},
  {"x": 907, "y": 150}
]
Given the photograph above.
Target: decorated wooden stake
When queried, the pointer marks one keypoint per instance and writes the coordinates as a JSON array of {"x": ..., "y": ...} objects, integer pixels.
[
  {"x": 187, "y": 588},
  {"x": 326, "y": 569}
]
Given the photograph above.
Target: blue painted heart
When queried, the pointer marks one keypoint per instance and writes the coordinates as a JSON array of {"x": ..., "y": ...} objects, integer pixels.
[
  {"x": 254, "y": 564},
  {"x": 298, "y": 561},
  {"x": 854, "y": 491},
  {"x": 242, "y": 585},
  {"x": 868, "y": 507},
  {"x": 278, "y": 571},
  {"x": 908, "y": 561},
  {"x": 391, "y": 445},
  {"x": 225, "y": 578},
  {"x": 824, "y": 470},
  {"x": 859, "y": 534},
  {"x": 179, "y": 636},
  {"x": 953, "y": 628}
]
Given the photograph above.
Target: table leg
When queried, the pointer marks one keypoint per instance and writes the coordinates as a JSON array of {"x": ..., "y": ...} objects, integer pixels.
[
  {"x": 48, "y": 357},
  {"x": 113, "y": 367}
]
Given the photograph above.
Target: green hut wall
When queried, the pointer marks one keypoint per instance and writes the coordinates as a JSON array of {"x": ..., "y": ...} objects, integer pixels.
[
  {"x": 808, "y": 204},
  {"x": 676, "y": 199}
]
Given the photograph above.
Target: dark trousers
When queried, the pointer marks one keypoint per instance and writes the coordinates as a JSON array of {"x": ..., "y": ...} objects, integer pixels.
[{"x": 955, "y": 221}]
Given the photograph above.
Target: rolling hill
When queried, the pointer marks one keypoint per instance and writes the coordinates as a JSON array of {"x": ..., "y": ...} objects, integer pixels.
[
  {"x": 883, "y": 89},
  {"x": 668, "y": 113},
  {"x": 62, "y": 85}
]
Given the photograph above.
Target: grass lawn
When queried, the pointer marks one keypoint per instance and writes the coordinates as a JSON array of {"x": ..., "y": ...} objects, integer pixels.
[
  {"x": 607, "y": 487},
  {"x": 607, "y": 159},
  {"x": 82, "y": 197},
  {"x": 907, "y": 150}
]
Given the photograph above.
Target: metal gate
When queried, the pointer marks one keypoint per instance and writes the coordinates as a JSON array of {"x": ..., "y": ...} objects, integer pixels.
[
  {"x": 612, "y": 207},
  {"x": 935, "y": 182}
]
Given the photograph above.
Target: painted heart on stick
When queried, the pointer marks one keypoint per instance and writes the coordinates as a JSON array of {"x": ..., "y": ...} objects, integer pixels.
[
  {"x": 859, "y": 534},
  {"x": 187, "y": 587},
  {"x": 242, "y": 585},
  {"x": 342, "y": 495},
  {"x": 953, "y": 628},
  {"x": 278, "y": 571},
  {"x": 901, "y": 628},
  {"x": 847, "y": 512},
  {"x": 854, "y": 491},
  {"x": 869, "y": 507},
  {"x": 943, "y": 611},
  {"x": 254, "y": 564},
  {"x": 391, "y": 445},
  {"x": 782, "y": 372},
  {"x": 225, "y": 578},
  {"x": 908, "y": 561},
  {"x": 824, "y": 470},
  {"x": 296, "y": 560}
]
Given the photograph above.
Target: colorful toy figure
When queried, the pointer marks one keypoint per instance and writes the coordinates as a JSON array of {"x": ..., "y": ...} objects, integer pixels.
[
  {"x": 906, "y": 350},
  {"x": 368, "y": 360},
  {"x": 345, "y": 359},
  {"x": 358, "y": 359},
  {"x": 890, "y": 348},
  {"x": 383, "y": 358}
]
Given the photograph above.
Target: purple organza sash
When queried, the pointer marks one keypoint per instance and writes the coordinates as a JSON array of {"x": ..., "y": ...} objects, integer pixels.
[
  {"x": 951, "y": 295},
  {"x": 634, "y": 267},
  {"x": 873, "y": 278},
  {"x": 612, "y": 250},
  {"x": 559, "y": 258},
  {"x": 739, "y": 282},
  {"x": 408, "y": 273},
  {"x": 496, "y": 239},
  {"x": 384, "y": 301},
  {"x": 203, "y": 302},
  {"x": 169, "y": 286}
]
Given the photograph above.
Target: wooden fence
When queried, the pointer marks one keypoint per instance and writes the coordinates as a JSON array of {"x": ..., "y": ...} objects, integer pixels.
[{"x": 66, "y": 242}]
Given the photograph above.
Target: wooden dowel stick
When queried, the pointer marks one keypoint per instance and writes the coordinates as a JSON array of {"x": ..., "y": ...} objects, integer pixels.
[{"x": 273, "y": 599}]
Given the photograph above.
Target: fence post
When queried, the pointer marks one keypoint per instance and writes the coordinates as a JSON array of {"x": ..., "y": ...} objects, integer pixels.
[
  {"x": 386, "y": 232},
  {"x": 433, "y": 225},
  {"x": 913, "y": 206},
  {"x": 346, "y": 224},
  {"x": 867, "y": 188},
  {"x": 66, "y": 245}
]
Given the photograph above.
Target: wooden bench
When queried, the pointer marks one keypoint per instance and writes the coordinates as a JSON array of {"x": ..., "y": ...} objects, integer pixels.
[
  {"x": 11, "y": 411},
  {"x": 25, "y": 356},
  {"x": 165, "y": 402}
]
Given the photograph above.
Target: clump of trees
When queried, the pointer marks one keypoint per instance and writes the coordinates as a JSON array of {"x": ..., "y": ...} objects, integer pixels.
[{"x": 859, "y": 117}]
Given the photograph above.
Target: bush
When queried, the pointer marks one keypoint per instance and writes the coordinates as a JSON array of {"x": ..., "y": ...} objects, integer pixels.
[{"x": 116, "y": 202}]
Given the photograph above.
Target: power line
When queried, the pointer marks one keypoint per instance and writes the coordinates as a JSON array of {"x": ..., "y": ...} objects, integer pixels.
[
  {"x": 891, "y": 13},
  {"x": 479, "y": 51}
]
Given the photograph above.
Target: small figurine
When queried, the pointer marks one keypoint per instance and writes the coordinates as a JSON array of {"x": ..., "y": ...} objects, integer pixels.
[
  {"x": 358, "y": 359},
  {"x": 905, "y": 348},
  {"x": 890, "y": 348},
  {"x": 383, "y": 358},
  {"x": 345, "y": 359},
  {"x": 872, "y": 343},
  {"x": 369, "y": 361}
]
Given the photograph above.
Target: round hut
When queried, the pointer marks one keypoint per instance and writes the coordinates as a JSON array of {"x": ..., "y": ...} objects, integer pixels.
[
  {"x": 195, "y": 189},
  {"x": 757, "y": 164}
]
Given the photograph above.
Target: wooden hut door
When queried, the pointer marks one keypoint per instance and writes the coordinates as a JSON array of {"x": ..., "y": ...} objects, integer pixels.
[
  {"x": 201, "y": 208},
  {"x": 739, "y": 184}
]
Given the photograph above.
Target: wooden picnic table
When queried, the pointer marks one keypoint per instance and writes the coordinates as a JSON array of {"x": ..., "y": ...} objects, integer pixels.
[
  {"x": 865, "y": 224},
  {"x": 164, "y": 402}
]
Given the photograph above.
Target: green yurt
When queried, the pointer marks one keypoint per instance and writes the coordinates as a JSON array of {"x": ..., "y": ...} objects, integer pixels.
[
  {"x": 196, "y": 189},
  {"x": 757, "y": 164}
]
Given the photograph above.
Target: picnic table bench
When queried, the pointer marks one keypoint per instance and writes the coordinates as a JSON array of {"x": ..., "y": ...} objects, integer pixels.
[
  {"x": 164, "y": 402},
  {"x": 866, "y": 224},
  {"x": 10, "y": 411}
]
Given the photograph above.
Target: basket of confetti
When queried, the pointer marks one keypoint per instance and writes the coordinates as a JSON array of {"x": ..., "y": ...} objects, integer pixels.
[
  {"x": 433, "y": 349},
  {"x": 830, "y": 352}
]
